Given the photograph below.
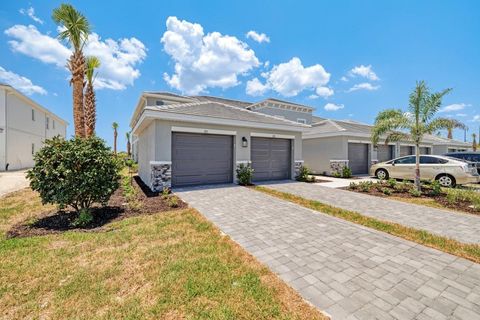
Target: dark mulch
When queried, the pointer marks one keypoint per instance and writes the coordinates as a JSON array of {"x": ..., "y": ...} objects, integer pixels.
[{"x": 116, "y": 209}]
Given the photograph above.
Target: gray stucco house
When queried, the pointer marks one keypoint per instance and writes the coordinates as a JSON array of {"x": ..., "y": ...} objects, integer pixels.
[{"x": 183, "y": 140}]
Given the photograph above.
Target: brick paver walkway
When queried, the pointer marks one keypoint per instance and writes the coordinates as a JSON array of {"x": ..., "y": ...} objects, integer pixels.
[
  {"x": 349, "y": 271},
  {"x": 462, "y": 227}
]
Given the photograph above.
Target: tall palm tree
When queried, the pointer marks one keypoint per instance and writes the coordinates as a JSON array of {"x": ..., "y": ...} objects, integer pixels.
[
  {"x": 454, "y": 124},
  {"x": 474, "y": 142},
  {"x": 129, "y": 145},
  {"x": 395, "y": 124},
  {"x": 115, "y": 135},
  {"x": 90, "y": 100},
  {"x": 75, "y": 29}
]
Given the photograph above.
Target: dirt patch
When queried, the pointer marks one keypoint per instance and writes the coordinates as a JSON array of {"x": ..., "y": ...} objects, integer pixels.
[{"x": 117, "y": 208}]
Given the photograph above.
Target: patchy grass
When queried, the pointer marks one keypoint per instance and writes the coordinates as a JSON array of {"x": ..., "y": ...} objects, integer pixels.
[
  {"x": 173, "y": 265},
  {"x": 468, "y": 251}
]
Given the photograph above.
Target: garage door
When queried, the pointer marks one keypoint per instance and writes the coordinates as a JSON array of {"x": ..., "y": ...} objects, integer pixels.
[
  {"x": 201, "y": 159},
  {"x": 425, "y": 150},
  {"x": 270, "y": 159},
  {"x": 384, "y": 153},
  {"x": 406, "y": 151},
  {"x": 358, "y": 157}
]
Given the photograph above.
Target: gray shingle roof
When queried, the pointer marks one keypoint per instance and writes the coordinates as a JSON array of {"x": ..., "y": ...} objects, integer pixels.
[
  {"x": 236, "y": 103},
  {"x": 223, "y": 111}
]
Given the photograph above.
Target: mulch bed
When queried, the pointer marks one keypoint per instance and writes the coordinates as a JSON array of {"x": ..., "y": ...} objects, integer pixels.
[
  {"x": 116, "y": 209},
  {"x": 441, "y": 199}
]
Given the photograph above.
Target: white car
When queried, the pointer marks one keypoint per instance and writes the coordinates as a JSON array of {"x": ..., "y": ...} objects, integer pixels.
[{"x": 446, "y": 170}]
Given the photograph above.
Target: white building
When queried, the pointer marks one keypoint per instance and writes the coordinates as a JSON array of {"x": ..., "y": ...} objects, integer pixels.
[{"x": 24, "y": 125}]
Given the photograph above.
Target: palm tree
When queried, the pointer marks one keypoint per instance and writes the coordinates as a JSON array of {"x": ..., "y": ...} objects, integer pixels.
[
  {"x": 115, "y": 135},
  {"x": 420, "y": 119},
  {"x": 474, "y": 142},
  {"x": 90, "y": 100},
  {"x": 454, "y": 124},
  {"x": 129, "y": 146},
  {"x": 75, "y": 29}
]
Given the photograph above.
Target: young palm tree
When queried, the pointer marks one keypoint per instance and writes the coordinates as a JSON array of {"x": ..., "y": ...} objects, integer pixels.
[
  {"x": 115, "y": 135},
  {"x": 454, "y": 124},
  {"x": 474, "y": 142},
  {"x": 90, "y": 100},
  {"x": 129, "y": 145},
  {"x": 75, "y": 30},
  {"x": 395, "y": 124}
]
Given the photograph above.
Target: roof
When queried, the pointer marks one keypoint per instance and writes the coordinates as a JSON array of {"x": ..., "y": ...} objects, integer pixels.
[
  {"x": 236, "y": 103},
  {"x": 276, "y": 103},
  {"x": 223, "y": 111},
  {"x": 316, "y": 119}
]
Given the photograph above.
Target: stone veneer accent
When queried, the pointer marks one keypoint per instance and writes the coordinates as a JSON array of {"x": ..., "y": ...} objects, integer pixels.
[
  {"x": 298, "y": 164},
  {"x": 160, "y": 175},
  {"x": 337, "y": 165}
]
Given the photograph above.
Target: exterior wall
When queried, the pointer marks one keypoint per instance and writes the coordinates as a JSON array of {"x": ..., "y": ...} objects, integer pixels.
[
  {"x": 155, "y": 144},
  {"x": 3, "y": 129},
  {"x": 318, "y": 152},
  {"x": 287, "y": 114},
  {"x": 23, "y": 133}
]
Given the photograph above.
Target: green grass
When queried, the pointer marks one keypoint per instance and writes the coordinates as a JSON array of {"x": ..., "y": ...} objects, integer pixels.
[
  {"x": 468, "y": 251},
  {"x": 173, "y": 265}
]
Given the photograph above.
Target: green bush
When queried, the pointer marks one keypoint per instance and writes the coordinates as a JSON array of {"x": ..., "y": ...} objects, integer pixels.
[
  {"x": 346, "y": 172},
  {"x": 337, "y": 174},
  {"x": 436, "y": 188},
  {"x": 172, "y": 202},
  {"x": 392, "y": 182},
  {"x": 77, "y": 173},
  {"x": 244, "y": 174},
  {"x": 415, "y": 193},
  {"x": 83, "y": 219},
  {"x": 365, "y": 186},
  {"x": 353, "y": 186},
  {"x": 386, "y": 191},
  {"x": 454, "y": 196},
  {"x": 304, "y": 175}
]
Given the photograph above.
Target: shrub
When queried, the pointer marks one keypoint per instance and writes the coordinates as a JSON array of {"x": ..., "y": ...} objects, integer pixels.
[
  {"x": 244, "y": 174},
  {"x": 337, "y": 174},
  {"x": 365, "y": 186},
  {"x": 346, "y": 172},
  {"x": 172, "y": 202},
  {"x": 436, "y": 188},
  {"x": 415, "y": 193},
  {"x": 353, "y": 186},
  {"x": 76, "y": 173},
  {"x": 83, "y": 219},
  {"x": 454, "y": 196},
  {"x": 392, "y": 182},
  {"x": 303, "y": 174},
  {"x": 386, "y": 191}
]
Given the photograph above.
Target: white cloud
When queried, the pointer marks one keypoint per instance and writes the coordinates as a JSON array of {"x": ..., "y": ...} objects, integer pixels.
[
  {"x": 454, "y": 107},
  {"x": 363, "y": 86},
  {"x": 31, "y": 13},
  {"x": 461, "y": 115},
  {"x": 258, "y": 37},
  {"x": 344, "y": 79},
  {"x": 313, "y": 97},
  {"x": 324, "y": 92},
  {"x": 118, "y": 58},
  {"x": 291, "y": 78},
  {"x": 203, "y": 61},
  {"x": 333, "y": 107},
  {"x": 365, "y": 72},
  {"x": 255, "y": 87},
  {"x": 476, "y": 118},
  {"x": 20, "y": 83}
]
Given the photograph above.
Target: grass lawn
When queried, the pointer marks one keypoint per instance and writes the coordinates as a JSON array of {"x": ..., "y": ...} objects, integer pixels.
[{"x": 173, "y": 265}]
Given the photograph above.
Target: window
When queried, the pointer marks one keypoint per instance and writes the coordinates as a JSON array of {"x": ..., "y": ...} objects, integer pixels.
[
  {"x": 33, "y": 114},
  {"x": 405, "y": 160},
  {"x": 47, "y": 123},
  {"x": 432, "y": 160},
  {"x": 33, "y": 148},
  {"x": 159, "y": 103},
  {"x": 299, "y": 120}
]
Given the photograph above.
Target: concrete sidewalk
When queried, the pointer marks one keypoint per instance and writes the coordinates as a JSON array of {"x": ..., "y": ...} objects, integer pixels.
[{"x": 11, "y": 181}]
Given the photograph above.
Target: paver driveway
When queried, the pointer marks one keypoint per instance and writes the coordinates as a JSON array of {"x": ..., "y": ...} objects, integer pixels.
[
  {"x": 462, "y": 227},
  {"x": 349, "y": 271}
]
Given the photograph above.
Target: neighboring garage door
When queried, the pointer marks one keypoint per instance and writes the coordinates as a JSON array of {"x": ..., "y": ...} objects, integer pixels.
[
  {"x": 406, "y": 151},
  {"x": 271, "y": 158},
  {"x": 384, "y": 153},
  {"x": 201, "y": 159},
  {"x": 425, "y": 150},
  {"x": 358, "y": 157}
]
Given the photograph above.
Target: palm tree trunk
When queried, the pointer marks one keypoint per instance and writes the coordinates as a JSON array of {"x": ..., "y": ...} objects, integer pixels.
[
  {"x": 450, "y": 133},
  {"x": 417, "y": 167},
  {"x": 77, "y": 68},
  {"x": 115, "y": 141},
  {"x": 90, "y": 112},
  {"x": 129, "y": 149}
]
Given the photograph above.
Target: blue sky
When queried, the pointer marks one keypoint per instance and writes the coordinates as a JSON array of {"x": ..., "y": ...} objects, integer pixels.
[{"x": 348, "y": 59}]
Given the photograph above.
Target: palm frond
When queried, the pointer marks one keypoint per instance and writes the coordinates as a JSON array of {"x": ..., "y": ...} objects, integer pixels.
[
  {"x": 443, "y": 124},
  {"x": 76, "y": 27},
  {"x": 433, "y": 103},
  {"x": 417, "y": 99},
  {"x": 397, "y": 136},
  {"x": 92, "y": 63},
  {"x": 388, "y": 122}
]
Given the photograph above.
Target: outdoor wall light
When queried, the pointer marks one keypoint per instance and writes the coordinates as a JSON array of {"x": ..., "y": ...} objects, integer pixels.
[{"x": 244, "y": 142}]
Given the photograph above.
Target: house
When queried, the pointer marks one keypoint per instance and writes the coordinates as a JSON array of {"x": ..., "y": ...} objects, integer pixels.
[
  {"x": 192, "y": 140},
  {"x": 333, "y": 144},
  {"x": 24, "y": 125}
]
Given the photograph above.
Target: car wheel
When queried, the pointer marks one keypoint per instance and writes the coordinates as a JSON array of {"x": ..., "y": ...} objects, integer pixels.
[
  {"x": 446, "y": 180},
  {"x": 381, "y": 174}
]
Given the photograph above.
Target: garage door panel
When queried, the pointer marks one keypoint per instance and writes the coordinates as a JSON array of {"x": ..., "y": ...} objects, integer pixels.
[
  {"x": 201, "y": 159},
  {"x": 271, "y": 159},
  {"x": 406, "y": 151},
  {"x": 358, "y": 157},
  {"x": 384, "y": 153}
]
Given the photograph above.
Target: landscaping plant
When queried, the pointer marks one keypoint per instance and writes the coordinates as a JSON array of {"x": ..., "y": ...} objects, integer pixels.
[
  {"x": 346, "y": 172},
  {"x": 244, "y": 174},
  {"x": 392, "y": 182},
  {"x": 436, "y": 188},
  {"x": 304, "y": 175},
  {"x": 415, "y": 192},
  {"x": 75, "y": 173}
]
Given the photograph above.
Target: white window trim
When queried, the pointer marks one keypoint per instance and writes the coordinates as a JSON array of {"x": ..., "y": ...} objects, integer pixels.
[
  {"x": 204, "y": 131},
  {"x": 271, "y": 135}
]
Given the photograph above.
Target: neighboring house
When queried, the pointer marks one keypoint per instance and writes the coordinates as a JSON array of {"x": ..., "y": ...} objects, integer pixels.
[
  {"x": 183, "y": 141},
  {"x": 332, "y": 144},
  {"x": 24, "y": 125}
]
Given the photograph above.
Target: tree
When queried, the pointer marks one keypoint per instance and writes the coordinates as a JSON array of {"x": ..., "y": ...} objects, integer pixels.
[
  {"x": 90, "y": 100},
  {"x": 129, "y": 145},
  {"x": 395, "y": 124},
  {"x": 75, "y": 29},
  {"x": 474, "y": 142},
  {"x": 115, "y": 135},
  {"x": 454, "y": 124}
]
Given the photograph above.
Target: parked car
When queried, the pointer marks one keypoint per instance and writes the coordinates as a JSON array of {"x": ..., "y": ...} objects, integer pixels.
[
  {"x": 468, "y": 156},
  {"x": 446, "y": 170}
]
